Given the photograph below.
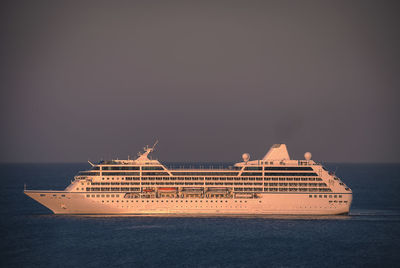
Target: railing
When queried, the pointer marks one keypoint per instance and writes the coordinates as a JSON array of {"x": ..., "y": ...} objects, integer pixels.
[{"x": 200, "y": 166}]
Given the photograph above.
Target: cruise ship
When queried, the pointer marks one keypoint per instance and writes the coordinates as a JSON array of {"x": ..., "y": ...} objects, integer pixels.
[{"x": 274, "y": 185}]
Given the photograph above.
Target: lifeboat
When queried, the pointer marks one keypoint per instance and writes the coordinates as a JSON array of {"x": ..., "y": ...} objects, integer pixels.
[
  {"x": 148, "y": 190},
  {"x": 166, "y": 189}
]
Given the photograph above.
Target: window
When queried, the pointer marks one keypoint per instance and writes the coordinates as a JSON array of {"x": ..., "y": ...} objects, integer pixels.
[
  {"x": 120, "y": 173},
  {"x": 120, "y": 168},
  {"x": 289, "y": 174},
  {"x": 251, "y": 174},
  {"x": 205, "y": 173},
  {"x": 153, "y": 168},
  {"x": 253, "y": 168},
  {"x": 288, "y": 168},
  {"x": 88, "y": 173}
]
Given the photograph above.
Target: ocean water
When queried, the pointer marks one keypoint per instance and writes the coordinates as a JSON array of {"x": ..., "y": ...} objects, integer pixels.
[{"x": 33, "y": 237}]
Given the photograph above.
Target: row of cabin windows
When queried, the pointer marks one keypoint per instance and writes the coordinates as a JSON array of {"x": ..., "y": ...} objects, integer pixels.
[
  {"x": 280, "y": 168},
  {"x": 245, "y": 189},
  {"x": 226, "y": 183},
  {"x": 170, "y": 201},
  {"x": 106, "y": 173},
  {"x": 122, "y": 173},
  {"x": 268, "y": 184},
  {"x": 292, "y": 186},
  {"x": 297, "y": 190},
  {"x": 115, "y": 183},
  {"x": 233, "y": 178},
  {"x": 217, "y": 178},
  {"x": 172, "y": 183},
  {"x": 205, "y": 173},
  {"x": 325, "y": 196},
  {"x": 175, "y": 201},
  {"x": 131, "y": 173},
  {"x": 296, "y": 184},
  {"x": 119, "y": 168},
  {"x": 112, "y": 189},
  {"x": 248, "y": 189},
  {"x": 131, "y": 168},
  {"x": 153, "y": 173},
  {"x": 195, "y": 201},
  {"x": 102, "y": 195},
  {"x": 291, "y": 182},
  {"x": 292, "y": 179},
  {"x": 279, "y": 174},
  {"x": 88, "y": 173}
]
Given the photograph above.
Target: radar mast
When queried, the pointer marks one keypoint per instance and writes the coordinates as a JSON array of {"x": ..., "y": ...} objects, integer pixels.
[{"x": 147, "y": 150}]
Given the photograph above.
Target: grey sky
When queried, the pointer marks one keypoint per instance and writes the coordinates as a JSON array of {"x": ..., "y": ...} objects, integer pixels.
[{"x": 209, "y": 79}]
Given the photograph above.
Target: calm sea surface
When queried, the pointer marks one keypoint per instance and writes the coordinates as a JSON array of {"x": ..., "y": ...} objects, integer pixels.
[{"x": 368, "y": 237}]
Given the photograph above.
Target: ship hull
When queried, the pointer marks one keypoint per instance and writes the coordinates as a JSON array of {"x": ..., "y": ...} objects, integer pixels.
[{"x": 62, "y": 202}]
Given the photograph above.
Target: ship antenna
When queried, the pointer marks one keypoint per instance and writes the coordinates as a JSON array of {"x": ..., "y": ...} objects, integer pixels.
[{"x": 152, "y": 148}]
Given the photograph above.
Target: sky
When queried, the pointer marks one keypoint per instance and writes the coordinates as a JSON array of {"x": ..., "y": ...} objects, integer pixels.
[{"x": 211, "y": 80}]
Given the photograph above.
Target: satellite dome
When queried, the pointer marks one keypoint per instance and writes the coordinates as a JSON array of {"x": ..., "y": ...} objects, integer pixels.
[
  {"x": 245, "y": 157},
  {"x": 307, "y": 156}
]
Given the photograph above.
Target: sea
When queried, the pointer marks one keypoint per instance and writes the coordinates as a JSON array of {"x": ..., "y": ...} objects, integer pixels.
[{"x": 31, "y": 236}]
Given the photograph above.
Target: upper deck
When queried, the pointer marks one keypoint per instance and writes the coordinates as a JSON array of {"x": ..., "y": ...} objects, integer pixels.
[{"x": 277, "y": 159}]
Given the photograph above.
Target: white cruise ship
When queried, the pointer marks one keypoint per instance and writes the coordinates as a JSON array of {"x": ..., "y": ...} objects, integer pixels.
[{"x": 273, "y": 185}]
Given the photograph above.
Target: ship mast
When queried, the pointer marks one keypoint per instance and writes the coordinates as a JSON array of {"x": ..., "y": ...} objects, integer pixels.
[{"x": 147, "y": 150}]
